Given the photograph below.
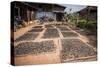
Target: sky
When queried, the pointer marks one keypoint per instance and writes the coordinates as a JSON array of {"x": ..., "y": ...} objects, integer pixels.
[{"x": 74, "y": 8}]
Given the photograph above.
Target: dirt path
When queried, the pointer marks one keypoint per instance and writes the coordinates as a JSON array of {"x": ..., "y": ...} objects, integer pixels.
[{"x": 44, "y": 44}]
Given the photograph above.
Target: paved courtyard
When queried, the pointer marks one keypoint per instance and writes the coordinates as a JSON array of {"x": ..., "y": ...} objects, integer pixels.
[{"x": 44, "y": 44}]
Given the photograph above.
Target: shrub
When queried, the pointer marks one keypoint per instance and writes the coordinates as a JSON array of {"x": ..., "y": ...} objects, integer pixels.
[
  {"x": 91, "y": 25},
  {"x": 81, "y": 23}
]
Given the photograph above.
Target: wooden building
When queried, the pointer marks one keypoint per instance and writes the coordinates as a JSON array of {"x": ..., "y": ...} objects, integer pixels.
[
  {"x": 28, "y": 11},
  {"x": 22, "y": 11},
  {"x": 89, "y": 13},
  {"x": 53, "y": 11}
]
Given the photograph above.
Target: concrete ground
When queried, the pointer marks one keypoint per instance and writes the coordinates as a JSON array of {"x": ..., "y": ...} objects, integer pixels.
[{"x": 46, "y": 44}]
